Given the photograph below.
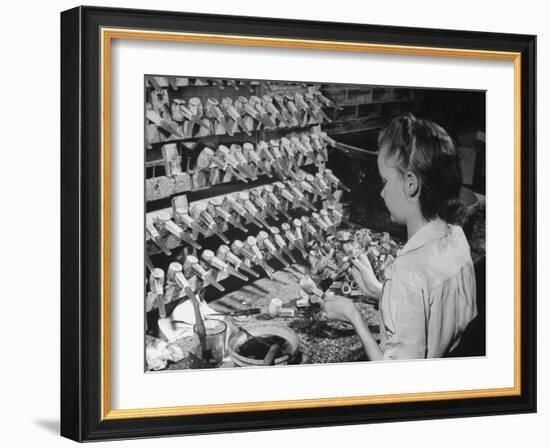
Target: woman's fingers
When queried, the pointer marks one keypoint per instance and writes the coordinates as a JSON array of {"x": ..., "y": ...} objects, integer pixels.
[
  {"x": 338, "y": 307},
  {"x": 358, "y": 277},
  {"x": 327, "y": 297},
  {"x": 363, "y": 258},
  {"x": 363, "y": 269},
  {"x": 362, "y": 263}
]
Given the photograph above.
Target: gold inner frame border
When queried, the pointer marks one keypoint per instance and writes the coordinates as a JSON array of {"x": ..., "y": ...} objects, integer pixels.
[{"x": 107, "y": 35}]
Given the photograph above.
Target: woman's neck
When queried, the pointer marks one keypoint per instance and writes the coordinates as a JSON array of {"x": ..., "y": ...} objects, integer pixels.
[{"x": 415, "y": 224}]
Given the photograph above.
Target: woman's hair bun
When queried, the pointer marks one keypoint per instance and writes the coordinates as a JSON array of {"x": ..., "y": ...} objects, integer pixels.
[{"x": 452, "y": 210}]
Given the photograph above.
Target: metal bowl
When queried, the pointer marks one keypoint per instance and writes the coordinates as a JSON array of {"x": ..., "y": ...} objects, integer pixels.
[{"x": 263, "y": 329}]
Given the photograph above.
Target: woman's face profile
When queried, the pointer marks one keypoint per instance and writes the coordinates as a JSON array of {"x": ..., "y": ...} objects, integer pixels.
[{"x": 393, "y": 191}]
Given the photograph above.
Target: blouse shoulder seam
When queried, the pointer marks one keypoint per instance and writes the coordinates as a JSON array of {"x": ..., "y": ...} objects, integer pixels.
[
  {"x": 397, "y": 276},
  {"x": 450, "y": 277}
]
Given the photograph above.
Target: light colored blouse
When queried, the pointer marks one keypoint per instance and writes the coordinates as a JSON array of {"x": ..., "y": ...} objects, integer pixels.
[{"x": 429, "y": 295}]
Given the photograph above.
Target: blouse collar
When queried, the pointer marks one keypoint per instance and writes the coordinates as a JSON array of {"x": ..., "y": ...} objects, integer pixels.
[{"x": 431, "y": 231}]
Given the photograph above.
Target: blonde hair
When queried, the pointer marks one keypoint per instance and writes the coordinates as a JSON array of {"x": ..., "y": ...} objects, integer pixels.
[{"x": 426, "y": 149}]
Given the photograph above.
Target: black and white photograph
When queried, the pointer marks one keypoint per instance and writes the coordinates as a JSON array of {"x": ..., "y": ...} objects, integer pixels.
[{"x": 294, "y": 222}]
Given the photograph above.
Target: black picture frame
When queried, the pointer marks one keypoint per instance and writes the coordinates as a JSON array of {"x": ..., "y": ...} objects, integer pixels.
[{"x": 81, "y": 209}]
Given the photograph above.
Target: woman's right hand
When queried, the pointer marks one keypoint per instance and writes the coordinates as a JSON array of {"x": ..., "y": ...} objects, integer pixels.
[
  {"x": 339, "y": 308},
  {"x": 363, "y": 274}
]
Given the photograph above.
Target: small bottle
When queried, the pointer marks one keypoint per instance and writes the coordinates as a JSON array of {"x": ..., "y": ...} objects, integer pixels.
[{"x": 275, "y": 306}]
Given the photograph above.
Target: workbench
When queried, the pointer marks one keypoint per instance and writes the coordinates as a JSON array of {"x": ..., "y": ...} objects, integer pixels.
[{"x": 320, "y": 340}]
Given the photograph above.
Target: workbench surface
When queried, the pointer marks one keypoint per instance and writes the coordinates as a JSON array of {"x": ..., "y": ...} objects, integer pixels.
[{"x": 320, "y": 340}]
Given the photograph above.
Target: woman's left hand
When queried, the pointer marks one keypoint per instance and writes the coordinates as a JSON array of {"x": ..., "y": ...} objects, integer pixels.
[{"x": 363, "y": 274}]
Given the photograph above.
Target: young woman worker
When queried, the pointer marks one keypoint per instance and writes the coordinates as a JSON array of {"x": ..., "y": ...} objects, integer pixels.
[{"x": 428, "y": 296}]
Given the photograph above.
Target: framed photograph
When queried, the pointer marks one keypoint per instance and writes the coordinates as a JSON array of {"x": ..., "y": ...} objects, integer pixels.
[{"x": 277, "y": 224}]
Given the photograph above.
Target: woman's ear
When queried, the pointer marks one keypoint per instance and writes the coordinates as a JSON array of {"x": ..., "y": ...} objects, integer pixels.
[{"x": 412, "y": 185}]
